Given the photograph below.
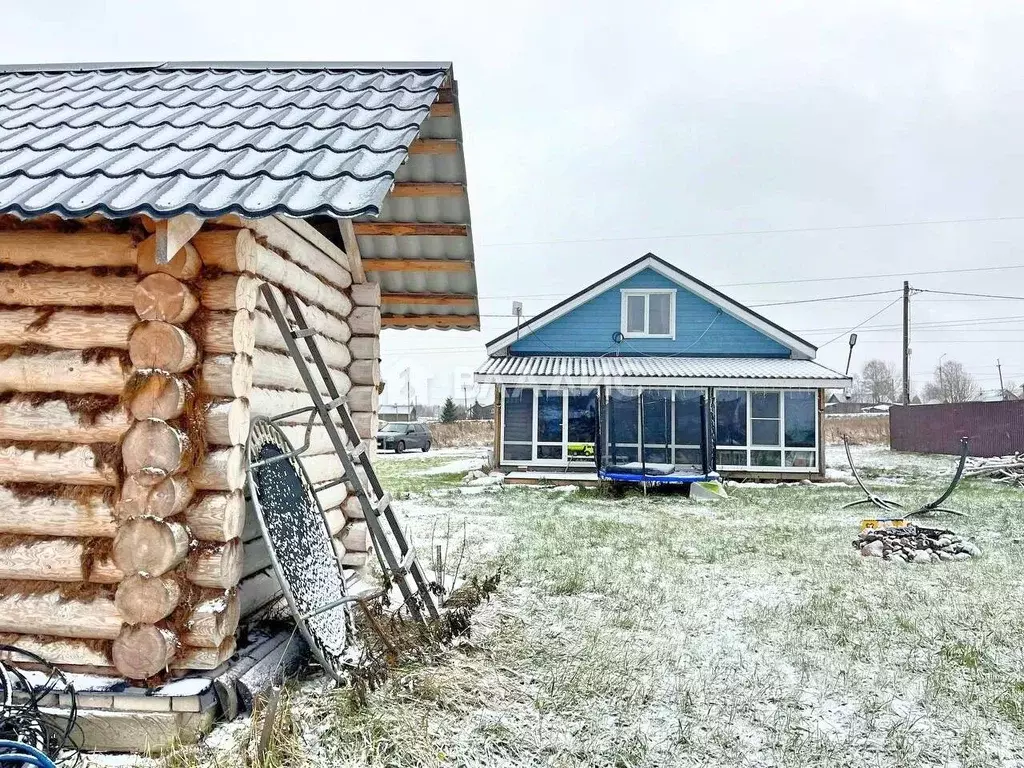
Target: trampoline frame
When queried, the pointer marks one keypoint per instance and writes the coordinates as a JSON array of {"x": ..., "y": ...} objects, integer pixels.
[
  {"x": 617, "y": 475},
  {"x": 269, "y": 429}
]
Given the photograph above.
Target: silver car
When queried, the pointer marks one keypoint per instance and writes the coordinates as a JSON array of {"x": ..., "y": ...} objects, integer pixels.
[{"x": 399, "y": 436}]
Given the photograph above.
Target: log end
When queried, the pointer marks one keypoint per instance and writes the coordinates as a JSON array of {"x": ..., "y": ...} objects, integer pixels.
[
  {"x": 142, "y": 651},
  {"x": 146, "y": 599}
]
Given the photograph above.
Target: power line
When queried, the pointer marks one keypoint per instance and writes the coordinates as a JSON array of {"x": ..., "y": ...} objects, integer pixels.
[
  {"x": 977, "y": 321},
  {"x": 930, "y": 272},
  {"x": 975, "y": 295},
  {"x": 744, "y": 232},
  {"x": 863, "y": 322},
  {"x": 822, "y": 298}
]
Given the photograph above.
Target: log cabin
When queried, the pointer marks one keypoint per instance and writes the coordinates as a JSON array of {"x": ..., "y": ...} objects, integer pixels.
[
  {"x": 142, "y": 207},
  {"x": 650, "y": 375}
]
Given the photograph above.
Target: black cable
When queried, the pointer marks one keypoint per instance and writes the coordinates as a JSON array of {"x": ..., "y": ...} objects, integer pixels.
[
  {"x": 976, "y": 295},
  {"x": 863, "y": 322},
  {"x": 738, "y": 232},
  {"x": 21, "y": 703},
  {"x": 825, "y": 298}
]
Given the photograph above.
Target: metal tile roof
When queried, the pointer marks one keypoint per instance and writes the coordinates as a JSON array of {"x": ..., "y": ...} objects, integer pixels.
[
  {"x": 701, "y": 371},
  {"x": 256, "y": 139},
  {"x": 252, "y": 139}
]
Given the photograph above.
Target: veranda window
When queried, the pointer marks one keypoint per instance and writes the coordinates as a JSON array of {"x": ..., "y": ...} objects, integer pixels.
[
  {"x": 548, "y": 425},
  {"x": 517, "y": 424},
  {"x": 767, "y": 429}
]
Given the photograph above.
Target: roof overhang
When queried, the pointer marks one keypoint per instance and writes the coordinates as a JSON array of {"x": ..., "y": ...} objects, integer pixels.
[
  {"x": 764, "y": 373},
  {"x": 420, "y": 246},
  {"x": 799, "y": 347}
]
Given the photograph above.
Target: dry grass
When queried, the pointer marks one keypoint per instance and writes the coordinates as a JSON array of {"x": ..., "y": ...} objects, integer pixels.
[
  {"x": 862, "y": 428},
  {"x": 462, "y": 434}
]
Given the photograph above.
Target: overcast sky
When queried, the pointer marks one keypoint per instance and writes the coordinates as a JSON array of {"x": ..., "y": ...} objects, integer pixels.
[{"x": 599, "y": 131}]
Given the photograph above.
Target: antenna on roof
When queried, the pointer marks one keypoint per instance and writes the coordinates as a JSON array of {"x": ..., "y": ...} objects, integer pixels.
[{"x": 517, "y": 310}]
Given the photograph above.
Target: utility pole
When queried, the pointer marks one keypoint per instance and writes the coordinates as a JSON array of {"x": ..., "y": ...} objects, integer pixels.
[
  {"x": 906, "y": 342},
  {"x": 1002, "y": 391},
  {"x": 465, "y": 398}
]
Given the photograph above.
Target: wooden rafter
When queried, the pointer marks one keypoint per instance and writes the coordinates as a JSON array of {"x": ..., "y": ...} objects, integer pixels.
[
  {"x": 409, "y": 228},
  {"x": 430, "y": 321},
  {"x": 442, "y": 109},
  {"x": 434, "y": 147},
  {"x": 348, "y": 240},
  {"x": 417, "y": 265},
  {"x": 427, "y": 189},
  {"x": 172, "y": 234},
  {"x": 433, "y": 299}
]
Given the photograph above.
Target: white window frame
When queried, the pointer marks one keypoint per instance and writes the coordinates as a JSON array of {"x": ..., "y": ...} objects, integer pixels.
[
  {"x": 781, "y": 447},
  {"x": 534, "y": 444},
  {"x": 647, "y": 293}
]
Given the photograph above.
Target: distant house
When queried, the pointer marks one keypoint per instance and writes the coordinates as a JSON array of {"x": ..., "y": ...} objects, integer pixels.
[
  {"x": 649, "y": 365},
  {"x": 397, "y": 413}
]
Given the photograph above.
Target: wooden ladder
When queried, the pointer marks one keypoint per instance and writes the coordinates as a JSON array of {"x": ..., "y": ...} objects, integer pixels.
[{"x": 399, "y": 560}]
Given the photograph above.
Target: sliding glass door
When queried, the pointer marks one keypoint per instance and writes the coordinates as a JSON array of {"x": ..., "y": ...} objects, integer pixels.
[{"x": 548, "y": 426}]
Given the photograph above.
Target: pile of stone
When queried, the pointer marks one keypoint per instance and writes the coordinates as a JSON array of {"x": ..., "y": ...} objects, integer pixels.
[
  {"x": 915, "y": 544},
  {"x": 478, "y": 477}
]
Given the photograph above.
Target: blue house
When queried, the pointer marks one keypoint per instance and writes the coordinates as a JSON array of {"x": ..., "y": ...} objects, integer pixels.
[{"x": 650, "y": 371}]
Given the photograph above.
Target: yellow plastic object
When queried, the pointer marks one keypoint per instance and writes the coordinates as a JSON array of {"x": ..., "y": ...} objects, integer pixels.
[
  {"x": 708, "y": 490},
  {"x": 581, "y": 449},
  {"x": 891, "y": 522}
]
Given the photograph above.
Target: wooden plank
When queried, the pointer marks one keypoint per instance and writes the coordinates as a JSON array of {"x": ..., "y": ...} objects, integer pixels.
[
  {"x": 172, "y": 234},
  {"x": 427, "y": 189},
  {"x": 434, "y": 147},
  {"x": 430, "y": 321},
  {"x": 434, "y": 299},
  {"x": 417, "y": 265},
  {"x": 409, "y": 228},
  {"x": 442, "y": 109},
  {"x": 355, "y": 260}
]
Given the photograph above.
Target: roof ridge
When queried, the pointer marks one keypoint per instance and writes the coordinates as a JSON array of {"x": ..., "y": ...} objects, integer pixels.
[
  {"x": 200, "y": 89},
  {"x": 241, "y": 66}
]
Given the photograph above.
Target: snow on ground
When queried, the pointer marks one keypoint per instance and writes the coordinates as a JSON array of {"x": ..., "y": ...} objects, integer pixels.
[
  {"x": 433, "y": 453},
  {"x": 661, "y": 631},
  {"x": 477, "y": 461}
]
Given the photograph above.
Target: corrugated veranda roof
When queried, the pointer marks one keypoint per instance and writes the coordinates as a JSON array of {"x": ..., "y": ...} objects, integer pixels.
[{"x": 679, "y": 371}]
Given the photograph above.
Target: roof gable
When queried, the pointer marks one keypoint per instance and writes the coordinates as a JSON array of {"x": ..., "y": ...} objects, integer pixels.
[
  {"x": 734, "y": 329},
  {"x": 210, "y": 139}
]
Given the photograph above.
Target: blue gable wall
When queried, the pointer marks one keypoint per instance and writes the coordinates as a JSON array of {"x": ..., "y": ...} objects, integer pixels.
[{"x": 588, "y": 329}]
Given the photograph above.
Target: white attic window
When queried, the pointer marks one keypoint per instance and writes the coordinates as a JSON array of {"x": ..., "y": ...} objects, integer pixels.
[{"x": 649, "y": 313}]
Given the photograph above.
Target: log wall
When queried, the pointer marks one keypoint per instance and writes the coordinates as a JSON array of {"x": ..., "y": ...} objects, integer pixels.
[{"x": 126, "y": 393}]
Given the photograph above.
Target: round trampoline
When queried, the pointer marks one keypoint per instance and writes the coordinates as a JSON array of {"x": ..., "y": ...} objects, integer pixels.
[{"x": 299, "y": 542}]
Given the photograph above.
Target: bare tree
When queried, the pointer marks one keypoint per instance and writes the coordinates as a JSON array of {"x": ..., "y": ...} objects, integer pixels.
[
  {"x": 952, "y": 384},
  {"x": 879, "y": 382}
]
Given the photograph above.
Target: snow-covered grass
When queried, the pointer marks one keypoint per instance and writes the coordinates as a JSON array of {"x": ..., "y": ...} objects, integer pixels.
[{"x": 663, "y": 632}]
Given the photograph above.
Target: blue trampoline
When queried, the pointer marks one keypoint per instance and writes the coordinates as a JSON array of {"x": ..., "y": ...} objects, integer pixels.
[{"x": 655, "y": 436}]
